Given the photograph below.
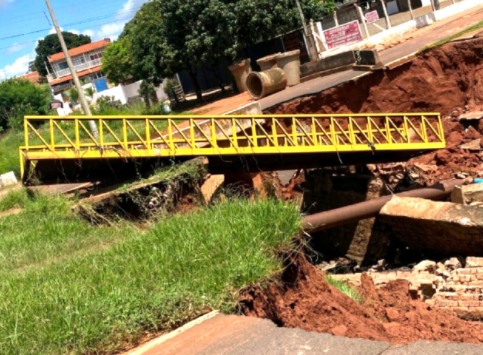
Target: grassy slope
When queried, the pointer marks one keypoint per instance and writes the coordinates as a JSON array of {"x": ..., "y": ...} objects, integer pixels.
[
  {"x": 453, "y": 36},
  {"x": 68, "y": 286},
  {"x": 9, "y": 160}
]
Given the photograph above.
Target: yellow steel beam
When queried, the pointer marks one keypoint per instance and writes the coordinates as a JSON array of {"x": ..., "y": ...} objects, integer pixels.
[{"x": 189, "y": 135}]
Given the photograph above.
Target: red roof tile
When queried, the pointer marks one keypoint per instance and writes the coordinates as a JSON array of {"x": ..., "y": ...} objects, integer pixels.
[
  {"x": 79, "y": 74},
  {"x": 79, "y": 50},
  {"x": 33, "y": 77}
]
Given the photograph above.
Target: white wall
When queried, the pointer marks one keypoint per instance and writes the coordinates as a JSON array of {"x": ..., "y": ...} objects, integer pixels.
[
  {"x": 411, "y": 25},
  {"x": 132, "y": 90},
  {"x": 63, "y": 111},
  {"x": 117, "y": 92}
]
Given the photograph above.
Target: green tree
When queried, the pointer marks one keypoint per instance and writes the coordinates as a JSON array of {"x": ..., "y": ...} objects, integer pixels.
[
  {"x": 51, "y": 45},
  {"x": 169, "y": 36},
  {"x": 20, "y": 97},
  {"x": 117, "y": 62},
  {"x": 74, "y": 95},
  {"x": 89, "y": 92}
]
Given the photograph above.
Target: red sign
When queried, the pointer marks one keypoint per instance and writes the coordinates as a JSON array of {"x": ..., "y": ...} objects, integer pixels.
[
  {"x": 372, "y": 16},
  {"x": 344, "y": 34}
]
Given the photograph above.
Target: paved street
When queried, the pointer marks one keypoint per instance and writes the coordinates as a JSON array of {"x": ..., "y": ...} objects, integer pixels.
[
  {"x": 238, "y": 335},
  {"x": 420, "y": 38}
]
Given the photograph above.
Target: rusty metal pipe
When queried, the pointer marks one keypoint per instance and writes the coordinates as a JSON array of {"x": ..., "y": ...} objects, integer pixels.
[{"x": 371, "y": 208}]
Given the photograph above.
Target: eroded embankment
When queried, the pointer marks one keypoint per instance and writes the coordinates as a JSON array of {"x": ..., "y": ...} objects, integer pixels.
[
  {"x": 440, "y": 80},
  {"x": 446, "y": 79},
  {"x": 303, "y": 299}
]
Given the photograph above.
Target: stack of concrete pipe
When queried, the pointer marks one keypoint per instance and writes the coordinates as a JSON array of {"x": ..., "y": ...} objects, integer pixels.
[{"x": 278, "y": 71}]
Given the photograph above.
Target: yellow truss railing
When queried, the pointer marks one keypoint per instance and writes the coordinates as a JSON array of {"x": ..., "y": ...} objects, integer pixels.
[{"x": 53, "y": 137}]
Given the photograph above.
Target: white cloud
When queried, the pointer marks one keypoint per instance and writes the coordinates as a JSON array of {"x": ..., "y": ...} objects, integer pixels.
[
  {"x": 15, "y": 48},
  {"x": 19, "y": 67},
  {"x": 123, "y": 16}
]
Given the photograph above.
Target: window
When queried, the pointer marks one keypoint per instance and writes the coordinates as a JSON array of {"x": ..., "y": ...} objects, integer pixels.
[
  {"x": 63, "y": 65},
  {"x": 96, "y": 56}
]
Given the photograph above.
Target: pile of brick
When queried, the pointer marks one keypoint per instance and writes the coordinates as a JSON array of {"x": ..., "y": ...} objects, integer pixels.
[{"x": 455, "y": 284}]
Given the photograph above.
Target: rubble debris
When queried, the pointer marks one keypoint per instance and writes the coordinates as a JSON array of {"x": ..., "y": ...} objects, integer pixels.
[
  {"x": 441, "y": 227},
  {"x": 449, "y": 285},
  {"x": 474, "y": 145},
  {"x": 471, "y": 116},
  {"x": 468, "y": 194},
  {"x": 303, "y": 299}
]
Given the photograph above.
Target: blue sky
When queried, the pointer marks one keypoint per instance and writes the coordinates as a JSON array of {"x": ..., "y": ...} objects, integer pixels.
[{"x": 24, "y": 22}]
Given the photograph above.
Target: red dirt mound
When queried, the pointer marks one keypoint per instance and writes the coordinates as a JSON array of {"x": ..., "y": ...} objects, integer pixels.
[{"x": 303, "y": 299}]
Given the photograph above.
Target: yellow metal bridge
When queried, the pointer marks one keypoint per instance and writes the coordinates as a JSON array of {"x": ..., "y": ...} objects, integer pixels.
[{"x": 61, "y": 138}]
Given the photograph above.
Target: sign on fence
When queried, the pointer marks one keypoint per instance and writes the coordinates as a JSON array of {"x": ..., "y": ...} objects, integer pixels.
[
  {"x": 344, "y": 34},
  {"x": 372, "y": 16}
]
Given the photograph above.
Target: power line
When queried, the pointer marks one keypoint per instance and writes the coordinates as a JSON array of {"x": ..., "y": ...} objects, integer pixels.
[
  {"x": 80, "y": 29},
  {"x": 67, "y": 24}
]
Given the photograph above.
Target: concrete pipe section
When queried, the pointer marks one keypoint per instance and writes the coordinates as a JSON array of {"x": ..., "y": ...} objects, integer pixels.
[
  {"x": 371, "y": 208},
  {"x": 268, "y": 62},
  {"x": 265, "y": 83},
  {"x": 289, "y": 62},
  {"x": 240, "y": 73}
]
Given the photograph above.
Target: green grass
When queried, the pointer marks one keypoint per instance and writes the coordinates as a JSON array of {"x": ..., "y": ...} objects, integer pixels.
[
  {"x": 14, "y": 199},
  {"x": 452, "y": 37},
  {"x": 68, "y": 287},
  {"x": 344, "y": 287},
  {"x": 9, "y": 159}
]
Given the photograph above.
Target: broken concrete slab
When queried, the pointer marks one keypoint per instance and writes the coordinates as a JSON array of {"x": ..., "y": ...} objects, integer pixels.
[
  {"x": 8, "y": 179},
  {"x": 474, "y": 145},
  {"x": 471, "y": 116},
  {"x": 443, "y": 227},
  {"x": 61, "y": 189},
  {"x": 467, "y": 194}
]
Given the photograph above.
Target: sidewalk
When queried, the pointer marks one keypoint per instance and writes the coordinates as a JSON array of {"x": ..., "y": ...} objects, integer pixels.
[{"x": 238, "y": 335}]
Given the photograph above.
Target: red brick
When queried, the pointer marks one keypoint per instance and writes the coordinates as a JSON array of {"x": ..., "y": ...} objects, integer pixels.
[
  {"x": 447, "y": 303},
  {"x": 468, "y": 303},
  {"x": 473, "y": 262}
]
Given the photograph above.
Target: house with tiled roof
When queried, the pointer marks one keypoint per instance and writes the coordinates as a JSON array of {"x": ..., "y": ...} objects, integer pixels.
[
  {"x": 87, "y": 60},
  {"x": 33, "y": 77}
]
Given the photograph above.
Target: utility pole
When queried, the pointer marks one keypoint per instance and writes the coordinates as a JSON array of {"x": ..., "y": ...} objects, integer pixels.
[
  {"x": 310, "y": 39},
  {"x": 82, "y": 98}
]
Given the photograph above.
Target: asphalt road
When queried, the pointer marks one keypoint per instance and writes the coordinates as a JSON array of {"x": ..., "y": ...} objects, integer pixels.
[
  {"x": 420, "y": 38},
  {"x": 238, "y": 335}
]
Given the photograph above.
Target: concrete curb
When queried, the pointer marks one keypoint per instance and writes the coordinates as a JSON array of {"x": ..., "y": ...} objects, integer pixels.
[{"x": 157, "y": 341}]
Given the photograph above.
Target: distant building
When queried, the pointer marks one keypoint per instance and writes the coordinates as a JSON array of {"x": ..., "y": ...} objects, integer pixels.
[
  {"x": 87, "y": 61},
  {"x": 33, "y": 77}
]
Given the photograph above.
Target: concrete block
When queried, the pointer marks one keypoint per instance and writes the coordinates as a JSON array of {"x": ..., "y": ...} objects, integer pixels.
[
  {"x": 8, "y": 179},
  {"x": 210, "y": 186},
  {"x": 473, "y": 262},
  {"x": 368, "y": 57},
  {"x": 467, "y": 194},
  {"x": 335, "y": 61},
  {"x": 443, "y": 227}
]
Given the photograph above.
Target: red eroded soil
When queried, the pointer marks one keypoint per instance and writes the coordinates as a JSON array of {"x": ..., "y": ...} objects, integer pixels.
[
  {"x": 447, "y": 79},
  {"x": 303, "y": 299},
  {"x": 440, "y": 80}
]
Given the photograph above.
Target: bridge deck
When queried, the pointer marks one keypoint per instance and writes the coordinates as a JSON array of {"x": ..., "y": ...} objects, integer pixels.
[{"x": 61, "y": 138}]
